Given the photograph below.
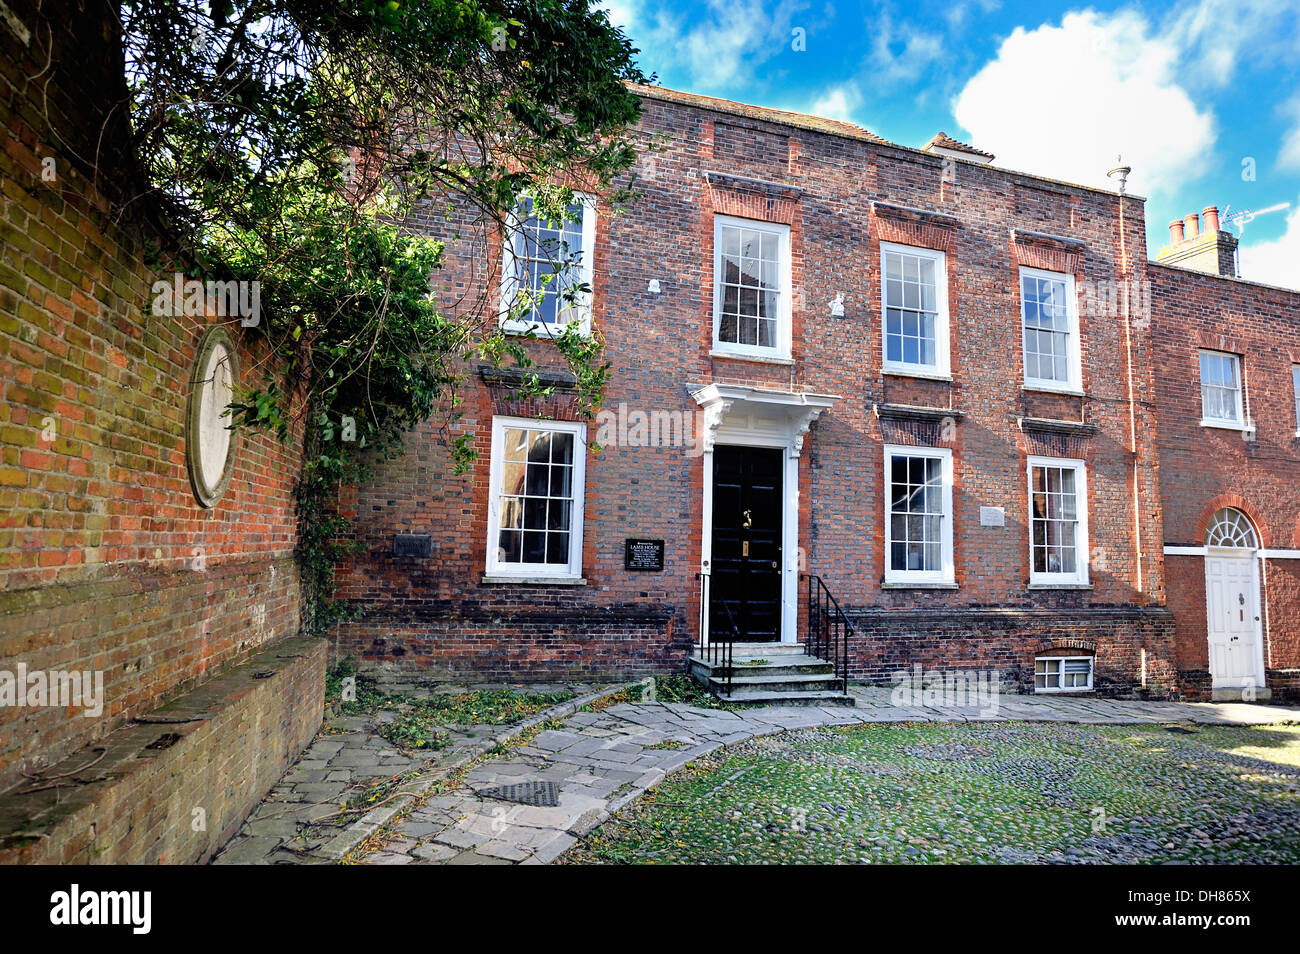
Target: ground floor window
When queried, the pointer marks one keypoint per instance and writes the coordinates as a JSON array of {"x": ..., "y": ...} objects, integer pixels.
[
  {"x": 535, "y": 514},
  {"x": 1058, "y": 525},
  {"x": 1062, "y": 673},
  {"x": 918, "y": 515}
]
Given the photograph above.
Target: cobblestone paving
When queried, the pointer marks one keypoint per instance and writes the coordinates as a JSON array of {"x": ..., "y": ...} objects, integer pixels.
[
  {"x": 300, "y": 820},
  {"x": 600, "y": 761}
]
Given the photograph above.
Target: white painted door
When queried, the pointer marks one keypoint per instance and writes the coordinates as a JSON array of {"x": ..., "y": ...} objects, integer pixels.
[{"x": 1232, "y": 607}]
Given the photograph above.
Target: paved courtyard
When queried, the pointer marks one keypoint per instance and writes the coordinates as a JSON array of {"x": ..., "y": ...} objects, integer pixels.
[{"x": 537, "y": 802}]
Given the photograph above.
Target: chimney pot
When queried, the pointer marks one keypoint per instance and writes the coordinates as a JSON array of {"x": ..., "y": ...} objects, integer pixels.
[
  {"x": 1192, "y": 223},
  {"x": 1175, "y": 231},
  {"x": 1211, "y": 216}
]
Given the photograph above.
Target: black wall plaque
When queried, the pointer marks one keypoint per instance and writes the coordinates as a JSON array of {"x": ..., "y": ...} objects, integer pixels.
[
  {"x": 643, "y": 555},
  {"x": 419, "y": 545}
]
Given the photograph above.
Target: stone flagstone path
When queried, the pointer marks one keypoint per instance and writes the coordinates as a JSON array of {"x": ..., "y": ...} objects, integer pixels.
[{"x": 600, "y": 761}]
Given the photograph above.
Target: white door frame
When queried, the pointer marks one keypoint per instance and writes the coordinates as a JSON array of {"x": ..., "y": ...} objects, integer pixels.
[
  {"x": 1255, "y": 607},
  {"x": 739, "y": 415}
]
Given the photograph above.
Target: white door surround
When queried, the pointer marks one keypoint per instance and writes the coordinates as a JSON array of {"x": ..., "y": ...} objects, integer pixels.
[{"x": 758, "y": 417}]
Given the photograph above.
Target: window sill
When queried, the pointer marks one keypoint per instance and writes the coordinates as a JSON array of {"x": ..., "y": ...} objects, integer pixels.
[
  {"x": 746, "y": 356},
  {"x": 897, "y": 372},
  {"x": 1226, "y": 425},
  {"x": 1048, "y": 388},
  {"x": 919, "y": 585},
  {"x": 542, "y": 331},
  {"x": 497, "y": 578},
  {"x": 1059, "y": 586},
  {"x": 1063, "y": 692}
]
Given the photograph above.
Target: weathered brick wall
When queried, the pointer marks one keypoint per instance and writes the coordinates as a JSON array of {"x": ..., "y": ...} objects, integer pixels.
[
  {"x": 660, "y": 347},
  {"x": 1133, "y": 646},
  {"x": 106, "y": 560},
  {"x": 175, "y": 789},
  {"x": 1203, "y": 469}
]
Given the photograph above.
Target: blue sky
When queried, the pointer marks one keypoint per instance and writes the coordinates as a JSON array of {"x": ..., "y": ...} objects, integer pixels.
[{"x": 1201, "y": 97}]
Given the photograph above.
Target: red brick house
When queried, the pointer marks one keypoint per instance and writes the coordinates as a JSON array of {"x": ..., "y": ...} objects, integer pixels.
[
  {"x": 935, "y": 385},
  {"x": 1227, "y": 378}
]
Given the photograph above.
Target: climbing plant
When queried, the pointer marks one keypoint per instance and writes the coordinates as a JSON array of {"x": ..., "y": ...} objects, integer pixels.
[{"x": 286, "y": 142}]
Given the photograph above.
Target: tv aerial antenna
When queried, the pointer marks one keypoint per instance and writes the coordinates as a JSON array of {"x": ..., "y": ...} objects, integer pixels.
[{"x": 1245, "y": 216}]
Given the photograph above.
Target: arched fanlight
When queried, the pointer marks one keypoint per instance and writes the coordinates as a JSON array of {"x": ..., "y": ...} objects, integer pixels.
[{"x": 1230, "y": 528}]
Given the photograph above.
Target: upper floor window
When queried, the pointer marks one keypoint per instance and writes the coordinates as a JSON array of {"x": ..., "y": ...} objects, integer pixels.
[
  {"x": 918, "y": 515},
  {"x": 547, "y": 268},
  {"x": 751, "y": 287},
  {"x": 1295, "y": 385},
  {"x": 1221, "y": 404},
  {"x": 535, "y": 511},
  {"x": 1058, "y": 521},
  {"x": 1050, "y": 316},
  {"x": 914, "y": 296}
]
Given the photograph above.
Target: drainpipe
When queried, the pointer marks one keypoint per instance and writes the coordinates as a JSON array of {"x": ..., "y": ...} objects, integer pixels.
[{"x": 1132, "y": 407}]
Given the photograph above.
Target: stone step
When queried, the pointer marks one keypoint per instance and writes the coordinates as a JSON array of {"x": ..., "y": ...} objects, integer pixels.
[
  {"x": 808, "y": 698},
  {"x": 742, "y": 682},
  {"x": 777, "y": 665}
]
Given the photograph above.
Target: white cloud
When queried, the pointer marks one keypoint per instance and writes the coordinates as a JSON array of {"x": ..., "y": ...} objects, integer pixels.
[
  {"x": 838, "y": 102},
  {"x": 1065, "y": 100},
  {"x": 1215, "y": 35},
  {"x": 1276, "y": 262},
  {"x": 1288, "y": 157},
  {"x": 715, "y": 46},
  {"x": 901, "y": 53}
]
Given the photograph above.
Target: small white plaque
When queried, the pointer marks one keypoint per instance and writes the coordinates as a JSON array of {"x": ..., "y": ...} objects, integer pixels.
[{"x": 993, "y": 517}]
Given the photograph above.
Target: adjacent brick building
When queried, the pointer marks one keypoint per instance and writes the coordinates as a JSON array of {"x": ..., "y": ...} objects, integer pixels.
[
  {"x": 1227, "y": 379},
  {"x": 936, "y": 384}
]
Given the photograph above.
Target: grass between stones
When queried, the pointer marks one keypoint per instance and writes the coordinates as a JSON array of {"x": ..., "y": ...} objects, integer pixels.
[
  {"x": 418, "y": 723},
  {"x": 973, "y": 793}
]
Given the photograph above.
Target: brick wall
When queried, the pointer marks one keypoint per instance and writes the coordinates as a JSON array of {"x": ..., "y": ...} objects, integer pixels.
[
  {"x": 660, "y": 346},
  {"x": 107, "y": 562},
  {"x": 173, "y": 790}
]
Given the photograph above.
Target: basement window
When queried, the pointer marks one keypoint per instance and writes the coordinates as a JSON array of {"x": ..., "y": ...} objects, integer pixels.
[{"x": 1063, "y": 673}]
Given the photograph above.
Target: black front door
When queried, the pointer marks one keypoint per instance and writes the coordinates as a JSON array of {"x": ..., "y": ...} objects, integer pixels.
[{"x": 745, "y": 591}]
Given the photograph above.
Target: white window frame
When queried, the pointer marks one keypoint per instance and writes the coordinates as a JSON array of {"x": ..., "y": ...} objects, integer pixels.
[
  {"x": 1240, "y": 423},
  {"x": 579, "y": 310},
  {"x": 1295, "y": 385},
  {"x": 946, "y": 575},
  {"x": 942, "y": 367},
  {"x": 573, "y": 569},
  {"x": 1073, "y": 358},
  {"x": 783, "y": 319},
  {"x": 1080, "y": 468},
  {"x": 1092, "y": 672}
]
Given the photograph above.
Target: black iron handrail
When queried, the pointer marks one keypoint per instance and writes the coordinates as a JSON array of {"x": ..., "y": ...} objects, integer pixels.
[
  {"x": 720, "y": 649},
  {"x": 829, "y": 630}
]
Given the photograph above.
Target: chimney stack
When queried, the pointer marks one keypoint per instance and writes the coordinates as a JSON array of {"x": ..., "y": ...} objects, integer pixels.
[{"x": 1213, "y": 250}]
